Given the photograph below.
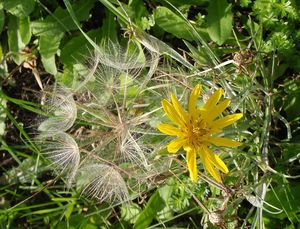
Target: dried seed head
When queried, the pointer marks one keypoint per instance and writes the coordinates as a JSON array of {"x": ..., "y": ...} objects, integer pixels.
[
  {"x": 102, "y": 87},
  {"x": 62, "y": 150},
  {"x": 115, "y": 66},
  {"x": 103, "y": 183},
  {"x": 61, "y": 107},
  {"x": 216, "y": 218},
  {"x": 131, "y": 151},
  {"x": 113, "y": 55}
]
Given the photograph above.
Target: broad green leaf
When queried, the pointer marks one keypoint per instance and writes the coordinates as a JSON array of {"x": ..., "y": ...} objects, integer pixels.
[
  {"x": 14, "y": 39},
  {"x": 219, "y": 21},
  {"x": 154, "y": 205},
  {"x": 66, "y": 77},
  {"x": 61, "y": 21},
  {"x": 2, "y": 19},
  {"x": 172, "y": 23},
  {"x": 19, "y": 8},
  {"x": 129, "y": 212},
  {"x": 24, "y": 28},
  {"x": 165, "y": 193},
  {"x": 118, "y": 12},
  {"x": 138, "y": 7},
  {"x": 292, "y": 101},
  {"x": 48, "y": 47},
  {"x": 287, "y": 198},
  {"x": 49, "y": 64},
  {"x": 78, "y": 47},
  {"x": 109, "y": 28}
]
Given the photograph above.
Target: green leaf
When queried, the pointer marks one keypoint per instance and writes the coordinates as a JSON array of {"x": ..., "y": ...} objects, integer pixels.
[
  {"x": 292, "y": 100},
  {"x": 49, "y": 64},
  {"x": 285, "y": 197},
  {"x": 14, "y": 39},
  {"x": 69, "y": 209},
  {"x": 61, "y": 20},
  {"x": 109, "y": 28},
  {"x": 75, "y": 222},
  {"x": 180, "y": 3},
  {"x": 153, "y": 43},
  {"x": 48, "y": 47},
  {"x": 219, "y": 21},
  {"x": 22, "y": 173},
  {"x": 25, "y": 30},
  {"x": 291, "y": 151},
  {"x": 119, "y": 13},
  {"x": 154, "y": 205},
  {"x": 2, "y": 19},
  {"x": 198, "y": 54},
  {"x": 78, "y": 47},
  {"x": 172, "y": 23},
  {"x": 165, "y": 193},
  {"x": 19, "y": 8},
  {"x": 138, "y": 7},
  {"x": 245, "y": 3},
  {"x": 66, "y": 78},
  {"x": 130, "y": 212},
  {"x": 137, "y": 11}
]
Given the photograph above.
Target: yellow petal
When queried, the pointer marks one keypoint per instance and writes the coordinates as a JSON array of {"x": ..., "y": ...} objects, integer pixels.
[
  {"x": 213, "y": 100},
  {"x": 215, "y": 174},
  {"x": 223, "y": 142},
  {"x": 187, "y": 148},
  {"x": 216, "y": 160},
  {"x": 226, "y": 121},
  {"x": 171, "y": 112},
  {"x": 175, "y": 145},
  {"x": 216, "y": 110},
  {"x": 169, "y": 130},
  {"x": 193, "y": 98},
  {"x": 192, "y": 165},
  {"x": 178, "y": 108},
  {"x": 209, "y": 166}
]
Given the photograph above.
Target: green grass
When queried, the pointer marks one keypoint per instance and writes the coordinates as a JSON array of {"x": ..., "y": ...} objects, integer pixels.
[{"x": 105, "y": 67}]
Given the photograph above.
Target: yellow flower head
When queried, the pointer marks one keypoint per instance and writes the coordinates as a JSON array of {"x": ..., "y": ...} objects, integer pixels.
[{"x": 195, "y": 129}]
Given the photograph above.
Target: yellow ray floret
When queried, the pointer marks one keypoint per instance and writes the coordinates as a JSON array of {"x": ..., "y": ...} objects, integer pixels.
[{"x": 194, "y": 130}]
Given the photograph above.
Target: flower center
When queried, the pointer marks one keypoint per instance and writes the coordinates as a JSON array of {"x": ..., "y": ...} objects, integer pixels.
[{"x": 198, "y": 130}]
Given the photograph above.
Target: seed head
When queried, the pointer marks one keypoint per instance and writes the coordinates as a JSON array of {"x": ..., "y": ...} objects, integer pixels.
[
  {"x": 103, "y": 183},
  {"x": 61, "y": 107},
  {"x": 63, "y": 151}
]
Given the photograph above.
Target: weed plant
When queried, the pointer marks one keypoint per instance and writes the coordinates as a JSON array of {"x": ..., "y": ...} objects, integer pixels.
[{"x": 105, "y": 125}]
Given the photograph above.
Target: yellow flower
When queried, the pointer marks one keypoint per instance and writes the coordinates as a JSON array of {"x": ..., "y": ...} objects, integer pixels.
[{"x": 195, "y": 129}]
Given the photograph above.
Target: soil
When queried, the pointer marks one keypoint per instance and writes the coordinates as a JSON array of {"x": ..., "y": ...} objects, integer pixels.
[{"x": 20, "y": 85}]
